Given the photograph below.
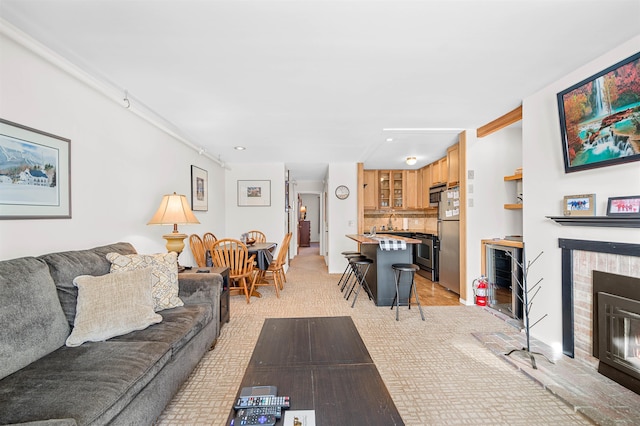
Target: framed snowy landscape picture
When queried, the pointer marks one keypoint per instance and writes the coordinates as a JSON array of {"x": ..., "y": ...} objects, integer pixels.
[{"x": 34, "y": 173}]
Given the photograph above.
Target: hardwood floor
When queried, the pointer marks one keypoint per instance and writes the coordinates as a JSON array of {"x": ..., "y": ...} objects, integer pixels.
[{"x": 433, "y": 294}]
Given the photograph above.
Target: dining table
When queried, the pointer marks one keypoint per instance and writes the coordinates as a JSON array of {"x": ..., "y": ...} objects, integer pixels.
[{"x": 264, "y": 257}]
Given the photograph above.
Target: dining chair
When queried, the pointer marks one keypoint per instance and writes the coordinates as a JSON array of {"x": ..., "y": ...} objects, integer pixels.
[
  {"x": 234, "y": 255},
  {"x": 209, "y": 239},
  {"x": 198, "y": 250},
  {"x": 276, "y": 267},
  {"x": 257, "y": 235}
]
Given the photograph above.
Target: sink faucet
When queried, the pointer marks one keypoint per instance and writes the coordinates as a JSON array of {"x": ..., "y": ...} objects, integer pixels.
[{"x": 390, "y": 224}]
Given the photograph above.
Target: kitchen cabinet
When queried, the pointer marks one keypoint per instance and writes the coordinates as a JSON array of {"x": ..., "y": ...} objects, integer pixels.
[
  {"x": 453, "y": 169},
  {"x": 413, "y": 194},
  {"x": 517, "y": 177},
  {"x": 439, "y": 171},
  {"x": 391, "y": 189},
  {"x": 426, "y": 184},
  {"x": 370, "y": 190}
]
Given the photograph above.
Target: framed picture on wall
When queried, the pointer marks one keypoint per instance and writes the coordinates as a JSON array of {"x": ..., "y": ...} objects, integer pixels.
[
  {"x": 199, "y": 189},
  {"x": 254, "y": 193},
  {"x": 35, "y": 169},
  {"x": 600, "y": 118}
]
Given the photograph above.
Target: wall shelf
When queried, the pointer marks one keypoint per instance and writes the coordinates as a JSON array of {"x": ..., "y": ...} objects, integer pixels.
[
  {"x": 602, "y": 221},
  {"x": 513, "y": 206},
  {"x": 513, "y": 177}
]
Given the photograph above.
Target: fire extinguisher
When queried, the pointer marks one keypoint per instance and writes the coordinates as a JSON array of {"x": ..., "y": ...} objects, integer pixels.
[{"x": 480, "y": 288}]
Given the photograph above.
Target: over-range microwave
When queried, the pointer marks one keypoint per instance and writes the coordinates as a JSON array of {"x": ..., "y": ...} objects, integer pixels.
[{"x": 434, "y": 194}]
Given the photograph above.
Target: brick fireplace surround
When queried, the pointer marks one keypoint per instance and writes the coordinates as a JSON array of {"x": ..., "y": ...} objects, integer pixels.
[{"x": 579, "y": 259}]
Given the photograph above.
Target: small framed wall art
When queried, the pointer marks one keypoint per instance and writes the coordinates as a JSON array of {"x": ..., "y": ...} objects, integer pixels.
[
  {"x": 580, "y": 205},
  {"x": 254, "y": 193},
  {"x": 624, "y": 206},
  {"x": 35, "y": 173},
  {"x": 199, "y": 189}
]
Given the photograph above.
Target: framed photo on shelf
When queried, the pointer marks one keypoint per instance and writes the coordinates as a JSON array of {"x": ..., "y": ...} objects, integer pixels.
[
  {"x": 199, "y": 189},
  {"x": 254, "y": 193},
  {"x": 598, "y": 118},
  {"x": 35, "y": 173},
  {"x": 624, "y": 206},
  {"x": 580, "y": 205}
]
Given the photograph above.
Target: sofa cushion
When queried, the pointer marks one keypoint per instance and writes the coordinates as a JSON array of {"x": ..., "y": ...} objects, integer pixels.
[
  {"x": 165, "y": 274},
  {"x": 65, "y": 266},
  {"x": 178, "y": 326},
  {"x": 111, "y": 305},
  {"x": 89, "y": 383},
  {"x": 32, "y": 320}
]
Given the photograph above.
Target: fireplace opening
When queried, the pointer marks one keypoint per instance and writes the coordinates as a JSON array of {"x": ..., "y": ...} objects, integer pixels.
[{"x": 616, "y": 329}]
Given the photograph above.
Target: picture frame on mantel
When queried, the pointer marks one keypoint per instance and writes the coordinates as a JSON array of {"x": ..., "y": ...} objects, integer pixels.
[
  {"x": 254, "y": 193},
  {"x": 580, "y": 205},
  {"x": 598, "y": 118},
  {"x": 624, "y": 206},
  {"x": 35, "y": 173},
  {"x": 199, "y": 189}
]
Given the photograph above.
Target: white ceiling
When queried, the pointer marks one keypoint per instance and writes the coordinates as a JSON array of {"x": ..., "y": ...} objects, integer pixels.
[{"x": 312, "y": 82}]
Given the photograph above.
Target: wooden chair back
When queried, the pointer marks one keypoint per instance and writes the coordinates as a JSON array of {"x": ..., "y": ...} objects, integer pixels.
[
  {"x": 198, "y": 250},
  {"x": 209, "y": 239},
  {"x": 257, "y": 235},
  {"x": 234, "y": 255}
]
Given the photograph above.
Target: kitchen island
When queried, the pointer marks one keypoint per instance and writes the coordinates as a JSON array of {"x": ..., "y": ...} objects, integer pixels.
[{"x": 380, "y": 276}]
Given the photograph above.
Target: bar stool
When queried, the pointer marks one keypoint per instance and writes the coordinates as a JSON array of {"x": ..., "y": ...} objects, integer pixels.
[
  {"x": 348, "y": 270},
  {"x": 398, "y": 269},
  {"x": 360, "y": 268}
]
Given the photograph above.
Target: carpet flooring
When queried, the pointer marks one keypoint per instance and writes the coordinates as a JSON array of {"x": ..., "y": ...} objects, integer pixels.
[{"x": 436, "y": 371}]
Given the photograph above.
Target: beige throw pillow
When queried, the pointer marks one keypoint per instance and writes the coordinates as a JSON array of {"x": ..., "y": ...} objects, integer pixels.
[
  {"x": 164, "y": 270},
  {"x": 112, "y": 305}
]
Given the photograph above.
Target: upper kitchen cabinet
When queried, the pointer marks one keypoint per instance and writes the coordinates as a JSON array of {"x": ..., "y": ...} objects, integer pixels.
[
  {"x": 439, "y": 171},
  {"x": 453, "y": 169},
  {"x": 413, "y": 195},
  {"x": 426, "y": 184},
  {"x": 391, "y": 189},
  {"x": 370, "y": 189}
]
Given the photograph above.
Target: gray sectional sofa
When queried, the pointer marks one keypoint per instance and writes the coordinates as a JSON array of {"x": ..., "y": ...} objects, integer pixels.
[{"x": 128, "y": 379}]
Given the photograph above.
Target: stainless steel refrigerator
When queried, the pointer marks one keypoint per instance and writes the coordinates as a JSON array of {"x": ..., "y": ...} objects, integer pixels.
[{"x": 449, "y": 236}]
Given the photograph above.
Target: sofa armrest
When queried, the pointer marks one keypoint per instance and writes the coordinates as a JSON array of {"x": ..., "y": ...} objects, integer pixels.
[{"x": 200, "y": 288}]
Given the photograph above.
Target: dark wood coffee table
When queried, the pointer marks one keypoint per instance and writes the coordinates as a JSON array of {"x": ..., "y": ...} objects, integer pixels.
[{"x": 323, "y": 365}]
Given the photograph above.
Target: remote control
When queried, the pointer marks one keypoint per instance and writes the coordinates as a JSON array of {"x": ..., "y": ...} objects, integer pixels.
[
  {"x": 244, "y": 419},
  {"x": 274, "y": 410},
  {"x": 262, "y": 401}
]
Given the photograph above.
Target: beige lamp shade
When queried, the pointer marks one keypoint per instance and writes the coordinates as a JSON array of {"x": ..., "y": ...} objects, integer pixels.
[{"x": 174, "y": 210}]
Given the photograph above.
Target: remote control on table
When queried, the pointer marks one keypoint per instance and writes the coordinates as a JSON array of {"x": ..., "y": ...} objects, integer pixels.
[
  {"x": 262, "y": 401},
  {"x": 244, "y": 419},
  {"x": 274, "y": 410}
]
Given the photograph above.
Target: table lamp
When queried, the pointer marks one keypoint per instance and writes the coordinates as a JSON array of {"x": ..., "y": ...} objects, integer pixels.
[{"x": 174, "y": 210}]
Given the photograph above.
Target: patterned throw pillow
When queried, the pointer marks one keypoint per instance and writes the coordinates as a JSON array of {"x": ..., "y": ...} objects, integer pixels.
[
  {"x": 164, "y": 275},
  {"x": 112, "y": 305}
]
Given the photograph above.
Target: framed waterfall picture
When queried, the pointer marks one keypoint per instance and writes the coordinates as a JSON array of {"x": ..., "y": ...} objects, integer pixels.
[
  {"x": 35, "y": 169},
  {"x": 600, "y": 118}
]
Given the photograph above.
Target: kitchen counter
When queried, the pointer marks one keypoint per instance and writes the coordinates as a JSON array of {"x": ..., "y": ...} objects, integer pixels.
[
  {"x": 363, "y": 239},
  {"x": 380, "y": 276}
]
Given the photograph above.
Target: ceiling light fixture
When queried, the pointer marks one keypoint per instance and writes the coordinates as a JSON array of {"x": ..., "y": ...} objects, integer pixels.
[
  {"x": 239, "y": 148},
  {"x": 411, "y": 160}
]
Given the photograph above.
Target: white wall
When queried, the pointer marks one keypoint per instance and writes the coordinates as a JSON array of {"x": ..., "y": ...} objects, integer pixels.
[
  {"x": 545, "y": 185},
  {"x": 120, "y": 164},
  {"x": 491, "y": 159},
  {"x": 271, "y": 220},
  {"x": 343, "y": 214}
]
